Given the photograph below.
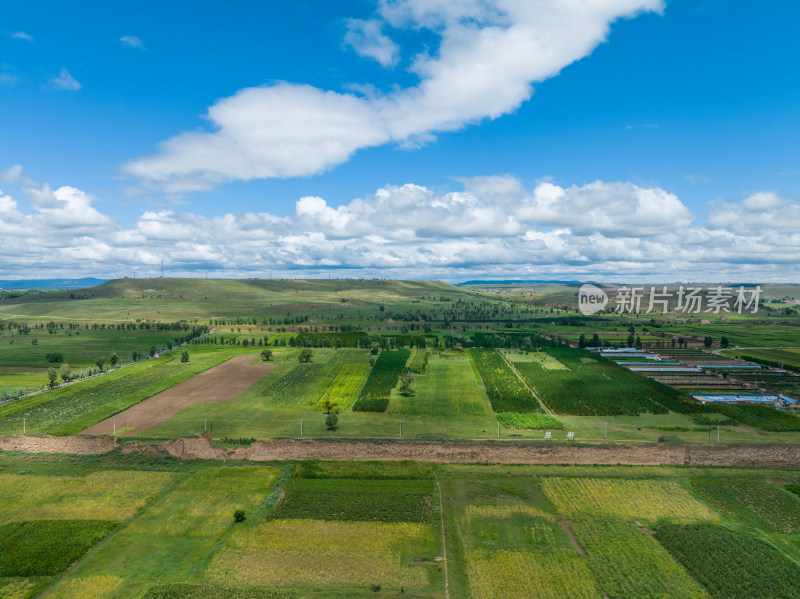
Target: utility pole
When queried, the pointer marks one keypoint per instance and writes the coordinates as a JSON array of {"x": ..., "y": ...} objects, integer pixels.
[
  {"x": 605, "y": 430},
  {"x": 162, "y": 269}
]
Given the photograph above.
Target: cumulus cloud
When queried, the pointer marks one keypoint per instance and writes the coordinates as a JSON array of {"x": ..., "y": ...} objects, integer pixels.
[
  {"x": 764, "y": 210},
  {"x": 65, "y": 81},
  {"x": 21, "y": 35},
  {"x": 132, "y": 41},
  {"x": 366, "y": 37},
  {"x": 490, "y": 54},
  {"x": 495, "y": 226}
]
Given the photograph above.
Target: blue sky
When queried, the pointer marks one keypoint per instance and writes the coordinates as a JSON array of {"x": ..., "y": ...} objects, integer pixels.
[{"x": 608, "y": 139}]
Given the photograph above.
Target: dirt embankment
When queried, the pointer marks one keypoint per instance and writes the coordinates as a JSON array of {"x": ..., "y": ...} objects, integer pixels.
[{"x": 487, "y": 452}]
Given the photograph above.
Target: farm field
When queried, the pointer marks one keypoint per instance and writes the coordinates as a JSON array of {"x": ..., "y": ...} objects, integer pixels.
[
  {"x": 787, "y": 357},
  {"x": 72, "y": 408},
  {"x": 593, "y": 386},
  {"x": 335, "y": 529},
  {"x": 448, "y": 388}
]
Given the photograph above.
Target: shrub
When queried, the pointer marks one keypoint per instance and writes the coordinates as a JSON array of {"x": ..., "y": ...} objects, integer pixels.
[
  {"x": 332, "y": 421},
  {"x": 239, "y": 515}
]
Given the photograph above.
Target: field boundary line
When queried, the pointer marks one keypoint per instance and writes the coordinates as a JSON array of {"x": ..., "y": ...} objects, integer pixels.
[
  {"x": 444, "y": 539},
  {"x": 527, "y": 386}
]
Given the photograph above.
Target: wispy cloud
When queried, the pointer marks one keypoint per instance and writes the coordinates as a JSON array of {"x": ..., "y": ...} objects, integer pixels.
[
  {"x": 132, "y": 41},
  {"x": 367, "y": 39},
  {"x": 21, "y": 35},
  {"x": 65, "y": 81},
  {"x": 8, "y": 79}
]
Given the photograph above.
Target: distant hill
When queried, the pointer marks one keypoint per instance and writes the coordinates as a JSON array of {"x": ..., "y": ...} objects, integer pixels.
[
  {"x": 518, "y": 282},
  {"x": 50, "y": 283}
]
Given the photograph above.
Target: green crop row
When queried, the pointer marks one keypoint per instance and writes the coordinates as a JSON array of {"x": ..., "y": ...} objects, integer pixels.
[
  {"x": 764, "y": 417},
  {"x": 594, "y": 386},
  {"x": 334, "y": 500},
  {"x": 405, "y": 470},
  {"x": 759, "y": 504},
  {"x": 506, "y": 392},
  {"x": 384, "y": 375},
  {"x": 731, "y": 565},
  {"x": 47, "y": 547},
  {"x": 215, "y": 591}
]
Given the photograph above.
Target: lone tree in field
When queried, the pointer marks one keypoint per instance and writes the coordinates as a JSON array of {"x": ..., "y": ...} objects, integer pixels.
[
  {"x": 266, "y": 355},
  {"x": 114, "y": 359},
  {"x": 328, "y": 405},
  {"x": 306, "y": 355},
  {"x": 185, "y": 356},
  {"x": 332, "y": 421},
  {"x": 52, "y": 374},
  {"x": 65, "y": 372},
  {"x": 406, "y": 380},
  {"x": 100, "y": 362},
  {"x": 708, "y": 341},
  {"x": 724, "y": 342}
]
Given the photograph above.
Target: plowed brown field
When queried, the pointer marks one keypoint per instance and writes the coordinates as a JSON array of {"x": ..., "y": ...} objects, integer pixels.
[{"x": 221, "y": 383}]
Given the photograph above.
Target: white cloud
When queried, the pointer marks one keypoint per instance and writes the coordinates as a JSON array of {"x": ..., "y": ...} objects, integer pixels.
[
  {"x": 366, "y": 37},
  {"x": 490, "y": 54},
  {"x": 758, "y": 212},
  {"x": 65, "y": 81},
  {"x": 132, "y": 41},
  {"x": 8, "y": 79},
  {"x": 21, "y": 35},
  {"x": 495, "y": 226}
]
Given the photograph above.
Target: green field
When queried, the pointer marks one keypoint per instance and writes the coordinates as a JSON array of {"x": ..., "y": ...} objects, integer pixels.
[
  {"x": 448, "y": 388},
  {"x": 341, "y": 529},
  {"x": 70, "y": 409}
]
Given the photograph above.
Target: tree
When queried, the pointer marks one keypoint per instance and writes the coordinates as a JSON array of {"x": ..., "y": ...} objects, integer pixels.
[
  {"x": 724, "y": 342},
  {"x": 306, "y": 355},
  {"x": 52, "y": 374},
  {"x": 114, "y": 359},
  {"x": 332, "y": 421},
  {"x": 185, "y": 356},
  {"x": 708, "y": 342},
  {"x": 266, "y": 355},
  {"x": 153, "y": 351},
  {"x": 375, "y": 349},
  {"x": 582, "y": 341},
  {"x": 238, "y": 516},
  {"x": 631, "y": 340},
  {"x": 100, "y": 362},
  {"x": 65, "y": 372},
  {"x": 406, "y": 380},
  {"x": 328, "y": 405}
]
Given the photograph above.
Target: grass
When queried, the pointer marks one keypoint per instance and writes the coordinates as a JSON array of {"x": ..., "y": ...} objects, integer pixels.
[
  {"x": 529, "y": 421},
  {"x": 760, "y": 504},
  {"x": 73, "y": 408},
  {"x": 345, "y": 387},
  {"x": 313, "y": 553},
  {"x": 447, "y": 389},
  {"x": 504, "y": 388},
  {"x": 80, "y": 347},
  {"x": 178, "y": 534},
  {"x": 629, "y": 563},
  {"x": 731, "y": 565},
  {"x": 648, "y": 500},
  {"x": 107, "y": 495},
  {"x": 541, "y": 358}
]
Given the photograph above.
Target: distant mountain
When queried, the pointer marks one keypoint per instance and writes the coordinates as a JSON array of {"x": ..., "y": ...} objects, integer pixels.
[
  {"x": 51, "y": 283},
  {"x": 518, "y": 282}
]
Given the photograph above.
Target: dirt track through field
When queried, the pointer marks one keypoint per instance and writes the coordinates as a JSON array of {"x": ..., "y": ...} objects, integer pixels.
[{"x": 221, "y": 383}]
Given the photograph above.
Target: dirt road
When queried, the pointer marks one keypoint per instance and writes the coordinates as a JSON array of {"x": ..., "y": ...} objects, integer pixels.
[
  {"x": 478, "y": 452},
  {"x": 221, "y": 383}
]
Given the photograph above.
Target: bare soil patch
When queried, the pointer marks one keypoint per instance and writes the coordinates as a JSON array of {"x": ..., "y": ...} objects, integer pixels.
[
  {"x": 566, "y": 526},
  {"x": 221, "y": 383}
]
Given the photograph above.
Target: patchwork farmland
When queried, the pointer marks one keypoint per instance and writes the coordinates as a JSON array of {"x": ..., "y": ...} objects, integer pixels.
[{"x": 387, "y": 362}]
